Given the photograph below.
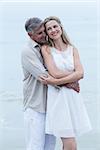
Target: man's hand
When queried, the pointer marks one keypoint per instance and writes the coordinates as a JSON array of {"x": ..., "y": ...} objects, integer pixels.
[
  {"x": 42, "y": 80},
  {"x": 47, "y": 80},
  {"x": 74, "y": 85}
]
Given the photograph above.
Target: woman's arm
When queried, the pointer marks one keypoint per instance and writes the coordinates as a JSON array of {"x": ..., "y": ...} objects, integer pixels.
[
  {"x": 76, "y": 75},
  {"x": 50, "y": 64}
]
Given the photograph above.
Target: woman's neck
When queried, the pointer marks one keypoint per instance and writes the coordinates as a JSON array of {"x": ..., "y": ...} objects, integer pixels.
[{"x": 60, "y": 45}]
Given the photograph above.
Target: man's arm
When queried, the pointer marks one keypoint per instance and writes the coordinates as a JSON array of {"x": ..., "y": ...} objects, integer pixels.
[
  {"x": 74, "y": 85},
  {"x": 32, "y": 64}
]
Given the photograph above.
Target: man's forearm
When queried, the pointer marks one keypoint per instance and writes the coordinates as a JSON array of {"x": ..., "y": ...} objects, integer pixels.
[{"x": 50, "y": 80}]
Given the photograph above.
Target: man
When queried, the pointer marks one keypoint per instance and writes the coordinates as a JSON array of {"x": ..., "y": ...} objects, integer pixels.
[{"x": 34, "y": 89}]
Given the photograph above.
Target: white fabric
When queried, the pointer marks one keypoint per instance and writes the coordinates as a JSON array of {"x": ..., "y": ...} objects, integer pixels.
[
  {"x": 66, "y": 113},
  {"x": 35, "y": 132}
]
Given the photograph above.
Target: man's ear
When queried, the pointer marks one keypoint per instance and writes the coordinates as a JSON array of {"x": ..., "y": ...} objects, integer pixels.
[{"x": 30, "y": 34}]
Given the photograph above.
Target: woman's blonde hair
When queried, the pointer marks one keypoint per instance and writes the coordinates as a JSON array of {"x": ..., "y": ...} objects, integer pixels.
[{"x": 64, "y": 36}]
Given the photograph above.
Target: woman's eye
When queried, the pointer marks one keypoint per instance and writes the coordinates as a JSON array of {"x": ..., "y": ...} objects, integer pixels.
[{"x": 55, "y": 26}]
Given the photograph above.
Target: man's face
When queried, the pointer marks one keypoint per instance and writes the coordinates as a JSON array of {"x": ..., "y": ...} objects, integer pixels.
[{"x": 39, "y": 35}]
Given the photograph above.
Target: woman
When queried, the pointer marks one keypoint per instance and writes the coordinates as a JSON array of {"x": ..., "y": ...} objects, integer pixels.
[{"x": 66, "y": 114}]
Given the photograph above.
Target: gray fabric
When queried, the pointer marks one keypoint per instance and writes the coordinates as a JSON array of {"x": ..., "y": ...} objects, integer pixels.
[{"x": 33, "y": 90}]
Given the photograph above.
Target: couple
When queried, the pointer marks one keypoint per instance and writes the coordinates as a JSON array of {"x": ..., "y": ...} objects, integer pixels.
[{"x": 50, "y": 60}]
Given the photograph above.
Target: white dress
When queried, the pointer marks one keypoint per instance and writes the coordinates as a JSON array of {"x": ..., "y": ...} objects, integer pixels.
[{"x": 66, "y": 112}]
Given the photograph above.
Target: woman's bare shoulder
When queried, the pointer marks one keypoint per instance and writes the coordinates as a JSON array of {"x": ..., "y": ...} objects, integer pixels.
[{"x": 45, "y": 49}]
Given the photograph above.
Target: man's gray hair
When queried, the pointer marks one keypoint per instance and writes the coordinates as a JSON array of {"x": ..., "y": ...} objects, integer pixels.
[{"x": 32, "y": 24}]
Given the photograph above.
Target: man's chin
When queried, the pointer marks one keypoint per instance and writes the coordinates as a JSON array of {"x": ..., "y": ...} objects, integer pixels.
[{"x": 43, "y": 42}]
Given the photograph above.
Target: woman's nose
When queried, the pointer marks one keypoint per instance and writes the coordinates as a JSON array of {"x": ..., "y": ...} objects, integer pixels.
[{"x": 53, "y": 29}]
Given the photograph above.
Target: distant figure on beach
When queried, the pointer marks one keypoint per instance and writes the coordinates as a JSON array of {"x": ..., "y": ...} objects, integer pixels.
[
  {"x": 35, "y": 90},
  {"x": 66, "y": 115}
]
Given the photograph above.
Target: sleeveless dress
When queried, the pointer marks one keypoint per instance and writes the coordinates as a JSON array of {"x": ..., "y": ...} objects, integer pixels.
[{"x": 66, "y": 113}]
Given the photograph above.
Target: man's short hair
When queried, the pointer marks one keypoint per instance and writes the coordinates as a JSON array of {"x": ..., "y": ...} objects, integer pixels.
[{"x": 32, "y": 24}]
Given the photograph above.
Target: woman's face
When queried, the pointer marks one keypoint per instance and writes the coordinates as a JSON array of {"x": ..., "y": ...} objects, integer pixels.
[{"x": 53, "y": 29}]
